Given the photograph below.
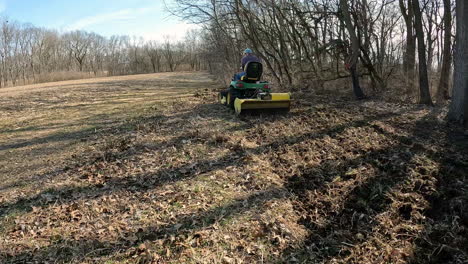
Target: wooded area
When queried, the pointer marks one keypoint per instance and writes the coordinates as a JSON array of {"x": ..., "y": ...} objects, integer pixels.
[
  {"x": 29, "y": 54},
  {"x": 316, "y": 44}
]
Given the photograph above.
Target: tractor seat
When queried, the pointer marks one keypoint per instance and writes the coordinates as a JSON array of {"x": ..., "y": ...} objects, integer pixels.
[{"x": 253, "y": 72}]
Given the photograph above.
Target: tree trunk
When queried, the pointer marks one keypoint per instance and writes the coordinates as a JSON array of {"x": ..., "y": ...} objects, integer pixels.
[
  {"x": 153, "y": 63},
  {"x": 355, "y": 49},
  {"x": 409, "y": 60},
  {"x": 442, "y": 91},
  {"x": 459, "y": 106},
  {"x": 425, "y": 95}
]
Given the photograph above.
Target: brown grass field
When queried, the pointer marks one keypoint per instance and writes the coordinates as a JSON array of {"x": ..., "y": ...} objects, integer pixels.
[{"x": 150, "y": 169}]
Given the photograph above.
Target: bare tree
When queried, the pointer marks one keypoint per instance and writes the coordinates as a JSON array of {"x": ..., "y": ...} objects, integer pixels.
[
  {"x": 355, "y": 49},
  {"x": 169, "y": 54},
  {"x": 442, "y": 91},
  {"x": 192, "y": 48},
  {"x": 459, "y": 106},
  {"x": 116, "y": 50},
  {"x": 96, "y": 53},
  {"x": 425, "y": 96},
  {"x": 78, "y": 44},
  {"x": 6, "y": 42},
  {"x": 153, "y": 51},
  {"x": 410, "y": 52}
]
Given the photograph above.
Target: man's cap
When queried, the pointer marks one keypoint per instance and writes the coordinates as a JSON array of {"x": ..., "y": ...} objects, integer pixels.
[{"x": 248, "y": 51}]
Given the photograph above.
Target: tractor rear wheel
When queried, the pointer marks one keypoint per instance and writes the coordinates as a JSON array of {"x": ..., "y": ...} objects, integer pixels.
[
  {"x": 231, "y": 98},
  {"x": 223, "y": 98}
]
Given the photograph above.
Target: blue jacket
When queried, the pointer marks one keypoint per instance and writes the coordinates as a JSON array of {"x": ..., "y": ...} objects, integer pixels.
[{"x": 249, "y": 58}]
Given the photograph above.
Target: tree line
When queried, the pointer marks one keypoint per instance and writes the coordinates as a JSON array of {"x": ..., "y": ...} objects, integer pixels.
[
  {"x": 400, "y": 48},
  {"x": 30, "y": 54}
]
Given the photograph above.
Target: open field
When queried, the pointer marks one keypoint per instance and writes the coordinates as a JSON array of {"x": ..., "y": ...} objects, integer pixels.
[{"x": 150, "y": 169}]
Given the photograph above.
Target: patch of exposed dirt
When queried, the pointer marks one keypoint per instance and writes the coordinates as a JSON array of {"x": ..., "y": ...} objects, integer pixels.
[{"x": 173, "y": 177}]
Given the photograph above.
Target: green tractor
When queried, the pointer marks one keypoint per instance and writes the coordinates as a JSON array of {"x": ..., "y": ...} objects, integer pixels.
[{"x": 249, "y": 93}]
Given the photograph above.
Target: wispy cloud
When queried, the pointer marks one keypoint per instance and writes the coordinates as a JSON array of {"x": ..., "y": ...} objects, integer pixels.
[
  {"x": 175, "y": 32},
  {"x": 121, "y": 15}
]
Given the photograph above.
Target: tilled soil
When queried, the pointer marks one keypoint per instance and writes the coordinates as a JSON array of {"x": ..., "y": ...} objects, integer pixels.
[{"x": 174, "y": 177}]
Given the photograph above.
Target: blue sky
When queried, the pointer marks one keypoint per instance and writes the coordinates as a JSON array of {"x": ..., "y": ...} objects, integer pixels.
[{"x": 145, "y": 18}]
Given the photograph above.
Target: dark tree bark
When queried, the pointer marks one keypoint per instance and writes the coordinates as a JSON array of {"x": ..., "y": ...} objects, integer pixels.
[
  {"x": 442, "y": 91},
  {"x": 409, "y": 59},
  {"x": 424, "y": 95},
  {"x": 459, "y": 106},
  {"x": 355, "y": 49}
]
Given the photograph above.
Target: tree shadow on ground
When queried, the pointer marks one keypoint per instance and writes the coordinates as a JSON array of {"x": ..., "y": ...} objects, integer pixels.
[
  {"x": 355, "y": 223},
  {"x": 144, "y": 182},
  {"x": 68, "y": 250},
  {"x": 445, "y": 235},
  {"x": 152, "y": 123}
]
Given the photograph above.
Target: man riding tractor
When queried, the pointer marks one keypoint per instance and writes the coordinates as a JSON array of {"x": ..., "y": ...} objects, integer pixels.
[
  {"x": 248, "y": 57},
  {"x": 247, "y": 92}
]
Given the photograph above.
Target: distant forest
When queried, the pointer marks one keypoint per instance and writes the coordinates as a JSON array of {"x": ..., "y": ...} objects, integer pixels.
[{"x": 29, "y": 54}]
